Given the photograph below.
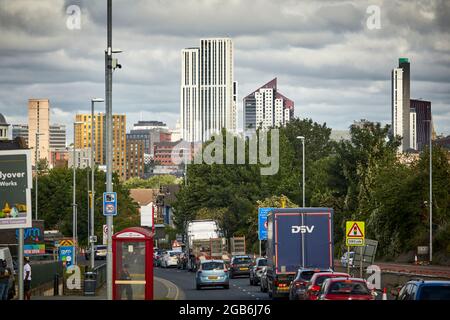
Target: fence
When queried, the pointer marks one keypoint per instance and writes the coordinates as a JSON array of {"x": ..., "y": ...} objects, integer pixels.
[
  {"x": 44, "y": 272},
  {"x": 101, "y": 275}
]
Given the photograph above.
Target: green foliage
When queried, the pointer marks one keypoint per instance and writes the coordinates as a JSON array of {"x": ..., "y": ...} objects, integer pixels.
[
  {"x": 55, "y": 202},
  {"x": 361, "y": 179},
  {"x": 152, "y": 183}
]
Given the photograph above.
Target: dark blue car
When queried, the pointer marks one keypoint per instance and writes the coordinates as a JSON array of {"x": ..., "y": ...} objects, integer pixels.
[{"x": 425, "y": 290}]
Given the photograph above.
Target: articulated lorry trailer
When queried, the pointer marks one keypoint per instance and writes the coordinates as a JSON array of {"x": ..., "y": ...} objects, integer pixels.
[{"x": 297, "y": 238}]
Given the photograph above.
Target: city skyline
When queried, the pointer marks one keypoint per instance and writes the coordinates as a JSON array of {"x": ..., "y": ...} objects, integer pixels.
[{"x": 333, "y": 66}]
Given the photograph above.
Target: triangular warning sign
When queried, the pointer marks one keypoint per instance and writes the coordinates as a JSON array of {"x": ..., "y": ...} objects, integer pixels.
[{"x": 355, "y": 232}]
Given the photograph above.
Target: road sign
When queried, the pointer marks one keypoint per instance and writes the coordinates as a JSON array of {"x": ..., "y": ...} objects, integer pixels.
[
  {"x": 66, "y": 243},
  {"x": 262, "y": 222},
  {"x": 354, "y": 233},
  {"x": 109, "y": 203},
  {"x": 105, "y": 233}
]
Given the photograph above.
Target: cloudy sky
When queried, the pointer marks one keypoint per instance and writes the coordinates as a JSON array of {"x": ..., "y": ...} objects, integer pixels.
[{"x": 326, "y": 57}]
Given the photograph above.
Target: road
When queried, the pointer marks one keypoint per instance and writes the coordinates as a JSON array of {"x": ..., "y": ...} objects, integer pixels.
[{"x": 240, "y": 288}]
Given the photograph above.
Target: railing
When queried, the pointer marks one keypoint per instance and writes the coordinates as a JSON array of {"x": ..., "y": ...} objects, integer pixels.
[{"x": 101, "y": 275}]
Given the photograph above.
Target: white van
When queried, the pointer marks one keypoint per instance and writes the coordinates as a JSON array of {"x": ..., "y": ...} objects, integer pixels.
[{"x": 5, "y": 254}]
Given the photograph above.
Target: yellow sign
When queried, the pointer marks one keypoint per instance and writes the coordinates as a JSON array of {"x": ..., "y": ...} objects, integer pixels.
[
  {"x": 355, "y": 233},
  {"x": 66, "y": 243}
]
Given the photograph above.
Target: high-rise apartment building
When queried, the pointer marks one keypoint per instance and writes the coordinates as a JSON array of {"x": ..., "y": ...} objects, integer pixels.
[
  {"x": 39, "y": 128},
  {"x": 83, "y": 139},
  {"x": 135, "y": 158},
  {"x": 266, "y": 107},
  {"x": 421, "y": 124},
  {"x": 401, "y": 103},
  {"x": 57, "y": 136},
  {"x": 412, "y": 129},
  {"x": 149, "y": 125},
  {"x": 208, "y": 92},
  {"x": 20, "y": 130},
  {"x": 150, "y": 132}
]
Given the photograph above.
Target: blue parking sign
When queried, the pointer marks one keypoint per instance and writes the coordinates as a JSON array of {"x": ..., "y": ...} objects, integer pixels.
[
  {"x": 262, "y": 222},
  {"x": 109, "y": 203}
]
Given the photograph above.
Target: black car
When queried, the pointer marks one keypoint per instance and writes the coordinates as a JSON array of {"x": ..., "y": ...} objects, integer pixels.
[
  {"x": 240, "y": 266},
  {"x": 257, "y": 270},
  {"x": 299, "y": 285}
]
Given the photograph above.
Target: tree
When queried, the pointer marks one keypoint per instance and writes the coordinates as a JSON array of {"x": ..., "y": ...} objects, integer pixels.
[
  {"x": 152, "y": 183},
  {"x": 55, "y": 202}
]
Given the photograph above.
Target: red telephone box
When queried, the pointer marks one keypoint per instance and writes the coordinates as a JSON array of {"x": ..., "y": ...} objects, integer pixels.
[{"x": 133, "y": 264}]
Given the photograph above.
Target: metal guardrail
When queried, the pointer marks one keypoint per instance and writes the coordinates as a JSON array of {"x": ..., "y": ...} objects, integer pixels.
[{"x": 101, "y": 275}]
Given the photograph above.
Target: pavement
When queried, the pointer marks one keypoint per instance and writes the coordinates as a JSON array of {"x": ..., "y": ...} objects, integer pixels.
[{"x": 163, "y": 290}]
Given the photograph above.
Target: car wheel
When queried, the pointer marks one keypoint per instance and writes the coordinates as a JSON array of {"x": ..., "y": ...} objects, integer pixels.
[
  {"x": 227, "y": 286},
  {"x": 198, "y": 287},
  {"x": 251, "y": 281},
  {"x": 270, "y": 294},
  {"x": 231, "y": 275}
]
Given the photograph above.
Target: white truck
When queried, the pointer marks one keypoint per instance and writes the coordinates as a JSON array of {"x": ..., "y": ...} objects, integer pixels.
[{"x": 199, "y": 235}]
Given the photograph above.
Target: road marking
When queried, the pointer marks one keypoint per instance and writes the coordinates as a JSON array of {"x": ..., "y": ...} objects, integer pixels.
[{"x": 170, "y": 285}]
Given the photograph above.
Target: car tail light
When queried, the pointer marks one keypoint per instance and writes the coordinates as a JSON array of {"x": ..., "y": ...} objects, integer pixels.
[
  {"x": 282, "y": 285},
  {"x": 258, "y": 268},
  {"x": 315, "y": 288},
  {"x": 275, "y": 283},
  {"x": 225, "y": 270}
]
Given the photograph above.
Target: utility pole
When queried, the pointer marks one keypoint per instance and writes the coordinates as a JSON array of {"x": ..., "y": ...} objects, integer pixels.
[
  {"x": 431, "y": 192},
  {"x": 109, "y": 145},
  {"x": 303, "y": 196},
  {"x": 36, "y": 173},
  {"x": 74, "y": 201},
  {"x": 92, "y": 179}
]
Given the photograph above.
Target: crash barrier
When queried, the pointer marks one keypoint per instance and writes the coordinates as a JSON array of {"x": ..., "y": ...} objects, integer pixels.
[{"x": 100, "y": 272}]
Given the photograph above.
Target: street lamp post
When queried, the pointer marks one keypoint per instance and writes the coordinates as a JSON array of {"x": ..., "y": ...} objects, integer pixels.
[
  {"x": 36, "y": 173},
  {"x": 303, "y": 196},
  {"x": 303, "y": 169},
  {"x": 74, "y": 204},
  {"x": 431, "y": 189},
  {"x": 110, "y": 65},
  {"x": 92, "y": 179}
]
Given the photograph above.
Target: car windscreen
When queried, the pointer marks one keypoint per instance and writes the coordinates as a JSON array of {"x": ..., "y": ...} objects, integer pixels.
[
  {"x": 173, "y": 254},
  {"x": 342, "y": 287},
  {"x": 242, "y": 261},
  {"x": 101, "y": 248},
  {"x": 306, "y": 275},
  {"x": 262, "y": 263},
  {"x": 212, "y": 266},
  {"x": 435, "y": 293}
]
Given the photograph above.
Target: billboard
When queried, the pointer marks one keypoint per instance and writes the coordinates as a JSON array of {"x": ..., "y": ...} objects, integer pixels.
[
  {"x": 15, "y": 189},
  {"x": 262, "y": 222}
]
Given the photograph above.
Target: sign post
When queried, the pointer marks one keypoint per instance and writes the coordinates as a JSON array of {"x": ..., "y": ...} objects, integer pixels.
[
  {"x": 262, "y": 225},
  {"x": 15, "y": 198},
  {"x": 355, "y": 236}
]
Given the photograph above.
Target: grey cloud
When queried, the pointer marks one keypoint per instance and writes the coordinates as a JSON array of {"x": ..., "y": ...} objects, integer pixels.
[{"x": 324, "y": 56}]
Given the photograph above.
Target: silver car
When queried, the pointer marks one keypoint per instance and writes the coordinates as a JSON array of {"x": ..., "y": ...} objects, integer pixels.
[{"x": 257, "y": 270}]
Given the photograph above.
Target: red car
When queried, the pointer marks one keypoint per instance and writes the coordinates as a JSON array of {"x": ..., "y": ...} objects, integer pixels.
[
  {"x": 317, "y": 280},
  {"x": 345, "y": 289}
]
